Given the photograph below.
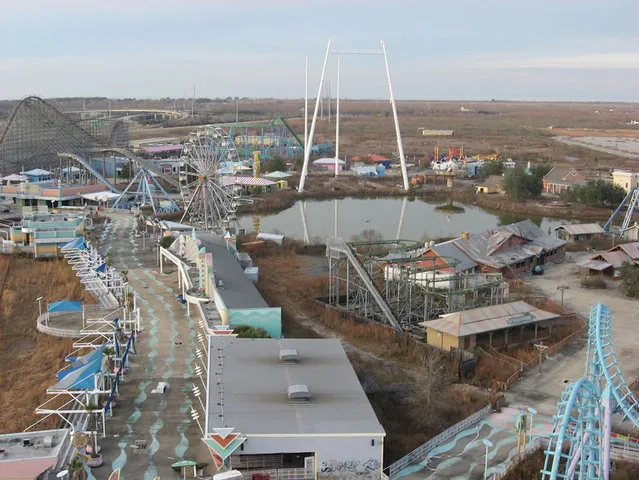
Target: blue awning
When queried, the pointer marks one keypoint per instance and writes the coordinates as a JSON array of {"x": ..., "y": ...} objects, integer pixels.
[
  {"x": 77, "y": 362},
  {"x": 65, "y": 306},
  {"x": 101, "y": 268},
  {"x": 81, "y": 378},
  {"x": 77, "y": 244}
]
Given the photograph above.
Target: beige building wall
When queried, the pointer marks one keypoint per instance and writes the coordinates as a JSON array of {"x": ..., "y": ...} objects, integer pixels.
[
  {"x": 441, "y": 340},
  {"x": 625, "y": 179}
]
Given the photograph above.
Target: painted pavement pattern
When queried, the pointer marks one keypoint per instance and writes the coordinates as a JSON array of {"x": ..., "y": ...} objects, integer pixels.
[
  {"x": 463, "y": 457},
  {"x": 164, "y": 354}
]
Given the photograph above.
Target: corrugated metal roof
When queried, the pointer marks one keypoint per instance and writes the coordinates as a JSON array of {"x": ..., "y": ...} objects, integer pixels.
[
  {"x": 631, "y": 249},
  {"x": 598, "y": 265},
  {"x": 482, "y": 247},
  {"x": 449, "y": 249},
  {"x": 248, "y": 181},
  {"x": 616, "y": 258},
  {"x": 38, "y": 172},
  {"x": 488, "y": 319},
  {"x": 581, "y": 228}
]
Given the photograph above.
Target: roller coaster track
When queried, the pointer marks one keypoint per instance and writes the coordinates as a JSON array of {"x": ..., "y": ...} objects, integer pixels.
[
  {"x": 338, "y": 245},
  {"x": 86, "y": 165},
  {"x": 583, "y": 420}
]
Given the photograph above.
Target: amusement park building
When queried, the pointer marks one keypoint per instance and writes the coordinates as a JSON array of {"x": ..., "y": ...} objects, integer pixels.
[
  {"x": 511, "y": 248},
  {"x": 501, "y": 325},
  {"x": 44, "y": 234},
  {"x": 294, "y": 405},
  {"x": 47, "y": 194},
  {"x": 224, "y": 280}
]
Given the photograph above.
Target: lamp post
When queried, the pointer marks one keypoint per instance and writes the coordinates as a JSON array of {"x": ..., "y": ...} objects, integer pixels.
[
  {"x": 542, "y": 348},
  {"x": 563, "y": 287},
  {"x": 488, "y": 444},
  {"x": 532, "y": 412},
  {"x": 39, "y": 300}
]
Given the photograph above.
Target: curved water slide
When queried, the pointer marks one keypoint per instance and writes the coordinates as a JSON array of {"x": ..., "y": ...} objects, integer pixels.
[{"x": 583, "y": 422}]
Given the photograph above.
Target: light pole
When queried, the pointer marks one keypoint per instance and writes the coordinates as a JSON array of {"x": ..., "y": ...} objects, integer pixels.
[
  {"x": 542, "y": 348},
  {"x": 488, "y": 444},
  {"x": 39, "y": 300},
  {"x": 563, "y": 287},
  {"x": 532, "y": 412}
]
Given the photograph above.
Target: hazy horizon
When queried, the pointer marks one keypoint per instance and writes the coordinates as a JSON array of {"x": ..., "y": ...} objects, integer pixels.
[{"x": 569, "y": 51}]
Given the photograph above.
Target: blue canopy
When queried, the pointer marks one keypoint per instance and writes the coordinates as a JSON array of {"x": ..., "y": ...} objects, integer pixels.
[
  {"x": 78, "y": 243},
  {"x": 77, "y": 362},
  {"x": 81, "y": 378},
  {"x": 101, "y": 268},
  {"x": 65, "y": 306}
]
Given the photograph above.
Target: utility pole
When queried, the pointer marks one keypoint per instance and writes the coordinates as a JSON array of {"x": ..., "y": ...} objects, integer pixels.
[
  {"x": 563, "y": 287},
  {"x": 542, "y": 348},
  {"x": 193, "y": 102}
]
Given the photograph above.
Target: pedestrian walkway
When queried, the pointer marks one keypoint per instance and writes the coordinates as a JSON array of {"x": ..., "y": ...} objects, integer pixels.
[
  {"x": 463, "y": 456},
  {"x": 159, "y": 423}
]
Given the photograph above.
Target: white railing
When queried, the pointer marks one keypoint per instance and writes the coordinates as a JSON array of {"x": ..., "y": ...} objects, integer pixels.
[
  {"x": 42, "y": 325},
  {"x": 422, "y": 451},
  {"x": 282, "y": 473}
]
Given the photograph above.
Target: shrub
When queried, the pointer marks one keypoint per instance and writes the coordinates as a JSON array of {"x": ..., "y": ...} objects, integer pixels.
[
  {"x": 166, "y": 241},
  {"x": 593, "y": 282},
  {"x": 246, "y": 331},
  {"x": 630, "y": 279}
]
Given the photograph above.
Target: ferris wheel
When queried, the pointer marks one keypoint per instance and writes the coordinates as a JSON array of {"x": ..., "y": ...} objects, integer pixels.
[{"x": 209, "y": 203}]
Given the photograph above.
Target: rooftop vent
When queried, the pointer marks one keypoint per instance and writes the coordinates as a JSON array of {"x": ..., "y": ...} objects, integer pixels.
[
  {"x": 289, "y": 355},
  {"x": 299, "y": 393}
]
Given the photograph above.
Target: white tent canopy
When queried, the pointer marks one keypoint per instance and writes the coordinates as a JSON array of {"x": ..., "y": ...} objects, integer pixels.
[{"x": 104, "y": 196}]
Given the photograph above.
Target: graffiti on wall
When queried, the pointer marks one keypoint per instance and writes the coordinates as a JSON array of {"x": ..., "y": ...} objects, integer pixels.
[{"x": 347, "y": 468}]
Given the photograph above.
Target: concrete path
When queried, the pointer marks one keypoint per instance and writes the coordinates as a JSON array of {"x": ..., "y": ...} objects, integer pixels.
[
  {"x": 463, "y": 457},
  {"x": 164, "y": 353}
]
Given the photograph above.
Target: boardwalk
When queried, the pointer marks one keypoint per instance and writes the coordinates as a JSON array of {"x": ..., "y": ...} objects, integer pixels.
[{"x": 164, "y": 354}]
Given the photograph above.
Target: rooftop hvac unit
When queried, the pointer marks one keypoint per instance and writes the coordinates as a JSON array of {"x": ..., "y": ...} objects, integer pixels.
[
  {"x": 299, "y": 393},
  {"x": 289, "y": 355},
  {"x": 48, "y": 441}
]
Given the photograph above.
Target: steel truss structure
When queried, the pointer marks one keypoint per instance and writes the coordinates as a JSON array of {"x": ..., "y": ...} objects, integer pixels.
[
  {"x": 38, "y": 134},
  {"x": 630, "y": 201},
  {"x": 208, "y": 204},
  {"x": 392, "y": 283},
  {"x": 143, "y": 195},
  {"x": 37, "y": 131},
  {"x": 272, "y": 139},
  {"x": 584, "y": 414}
]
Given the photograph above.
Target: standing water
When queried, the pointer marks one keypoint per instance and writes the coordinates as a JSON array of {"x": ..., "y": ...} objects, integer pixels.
[{"x": 386, "y": 218}]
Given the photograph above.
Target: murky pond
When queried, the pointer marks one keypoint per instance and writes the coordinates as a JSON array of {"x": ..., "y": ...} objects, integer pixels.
[{"x": 388, "y": 217}]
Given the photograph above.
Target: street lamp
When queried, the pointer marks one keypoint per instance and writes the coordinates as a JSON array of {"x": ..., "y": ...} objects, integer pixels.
[
  {"x": 488, "y": 444},
  {"x": 39, "y": 300},
  {"x": 563, "y": 287},
  {"x": 532, "y": 412}
]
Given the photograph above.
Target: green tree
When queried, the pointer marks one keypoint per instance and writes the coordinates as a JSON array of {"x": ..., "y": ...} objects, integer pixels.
[
  {"x": 518, "y": 185},
  {"x": 246, "y": 331},
  {"x": 630, "y": 279},
  {"x": 276, "y": 164},
  {"x": 491, "y": 168},
  {"x": 595, "y": 193}
]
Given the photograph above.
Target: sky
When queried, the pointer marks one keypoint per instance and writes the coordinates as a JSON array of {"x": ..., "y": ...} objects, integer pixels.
[{"x": 575, "y": 50}]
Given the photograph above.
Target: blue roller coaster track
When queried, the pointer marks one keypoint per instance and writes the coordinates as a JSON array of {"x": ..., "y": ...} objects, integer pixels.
[{"x": 579, "y": 445}]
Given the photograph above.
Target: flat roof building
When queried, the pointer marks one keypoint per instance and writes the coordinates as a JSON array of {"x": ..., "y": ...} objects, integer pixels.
[
  {"x": 223, "y": 279},
  {"x": 25, "y": 455},
  {"x": 294, "y": 403}
]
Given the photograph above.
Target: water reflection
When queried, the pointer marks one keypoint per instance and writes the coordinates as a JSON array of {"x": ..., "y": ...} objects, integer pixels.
[{"x": 389, "y": 217}]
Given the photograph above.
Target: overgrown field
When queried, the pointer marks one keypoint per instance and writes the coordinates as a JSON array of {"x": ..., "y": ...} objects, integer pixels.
[
  {"x": 29, "y": 359},
  {"x": 410, "y": 387}
]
